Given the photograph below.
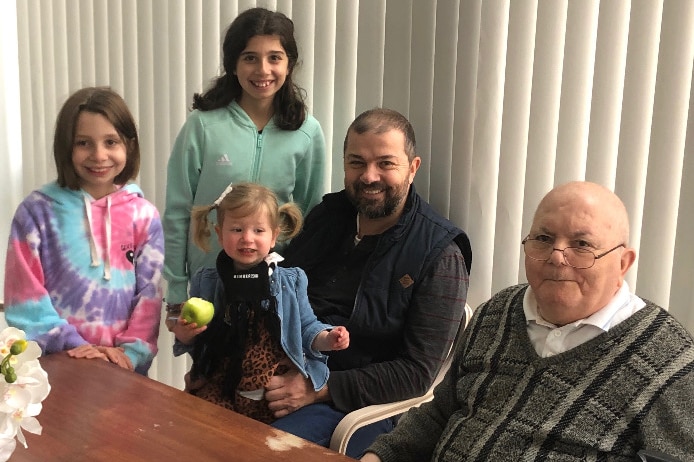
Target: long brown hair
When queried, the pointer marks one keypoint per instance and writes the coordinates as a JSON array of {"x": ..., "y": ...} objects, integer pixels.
[{"x": 289, "y": 105}]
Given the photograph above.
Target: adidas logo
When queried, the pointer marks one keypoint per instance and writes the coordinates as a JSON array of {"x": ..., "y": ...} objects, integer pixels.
[{"x": 223, "y": 160}]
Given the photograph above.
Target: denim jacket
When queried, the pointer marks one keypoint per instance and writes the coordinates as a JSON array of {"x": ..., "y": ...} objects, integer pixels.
[{"x": 299, "y": 325}]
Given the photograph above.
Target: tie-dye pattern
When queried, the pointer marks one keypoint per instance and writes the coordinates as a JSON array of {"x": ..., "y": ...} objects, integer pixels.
[{"x": 54, "y": 294}]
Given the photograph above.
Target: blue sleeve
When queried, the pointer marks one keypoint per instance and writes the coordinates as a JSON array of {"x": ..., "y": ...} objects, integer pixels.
[{"x": 310, "y": 325}]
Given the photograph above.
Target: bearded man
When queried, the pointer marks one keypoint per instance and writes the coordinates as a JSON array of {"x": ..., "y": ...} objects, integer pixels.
[{"x": 380, "y": 260}]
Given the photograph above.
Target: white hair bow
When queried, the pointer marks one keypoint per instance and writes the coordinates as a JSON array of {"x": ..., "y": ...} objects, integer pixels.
[{"x": 223, "y": 195}]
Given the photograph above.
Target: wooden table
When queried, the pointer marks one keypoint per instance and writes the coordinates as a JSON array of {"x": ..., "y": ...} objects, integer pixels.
[{"x": 97, "y": 411}]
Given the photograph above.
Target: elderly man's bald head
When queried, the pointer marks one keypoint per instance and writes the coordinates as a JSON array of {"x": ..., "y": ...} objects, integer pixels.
[{"x": 598, "y": 196}]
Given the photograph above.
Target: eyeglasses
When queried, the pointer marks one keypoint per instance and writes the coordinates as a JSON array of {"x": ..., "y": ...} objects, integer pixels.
[{"x": 575, "y": 257}]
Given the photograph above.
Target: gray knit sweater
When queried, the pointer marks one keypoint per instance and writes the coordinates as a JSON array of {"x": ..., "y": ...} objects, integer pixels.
[{"x": 629, "y": 388}]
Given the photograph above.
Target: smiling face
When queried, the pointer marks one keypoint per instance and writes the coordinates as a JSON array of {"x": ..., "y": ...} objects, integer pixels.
[
  {"x": 588, "y": 216},
  {"x": 378, "y": 173},
  {"x": 98, "y": 154},
  {"x": 262, "y": 69},
  {"x": 247, "y": 239}
]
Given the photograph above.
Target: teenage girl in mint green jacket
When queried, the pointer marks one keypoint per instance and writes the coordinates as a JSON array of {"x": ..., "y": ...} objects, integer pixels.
[{"x": 251, "y": 126}]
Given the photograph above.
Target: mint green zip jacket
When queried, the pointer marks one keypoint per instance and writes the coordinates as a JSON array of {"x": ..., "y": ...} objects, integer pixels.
[{"x": 221, "y": 146}]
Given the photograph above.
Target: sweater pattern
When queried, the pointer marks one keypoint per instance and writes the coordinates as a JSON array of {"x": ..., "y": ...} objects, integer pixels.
[{"x": 587, "y": 403}]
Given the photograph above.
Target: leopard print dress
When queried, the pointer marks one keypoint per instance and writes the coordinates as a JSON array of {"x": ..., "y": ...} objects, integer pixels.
[{"x": 259, "y": 364}]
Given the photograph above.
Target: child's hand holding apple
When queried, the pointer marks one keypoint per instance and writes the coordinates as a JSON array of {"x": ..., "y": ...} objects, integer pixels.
[
  {"x": 197, "y": 310},
  {"x": 196, "y": 313}
]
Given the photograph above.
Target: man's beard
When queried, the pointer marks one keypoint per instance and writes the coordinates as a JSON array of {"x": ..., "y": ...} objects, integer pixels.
[{"x": 377, "y": 208}]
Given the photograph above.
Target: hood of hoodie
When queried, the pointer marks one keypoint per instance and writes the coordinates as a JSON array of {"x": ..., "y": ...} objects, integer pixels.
[{"x": 101, "y": 219}]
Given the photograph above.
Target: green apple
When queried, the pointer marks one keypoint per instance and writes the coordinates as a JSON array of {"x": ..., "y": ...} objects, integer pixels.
[{"x": 197, "y": 310}]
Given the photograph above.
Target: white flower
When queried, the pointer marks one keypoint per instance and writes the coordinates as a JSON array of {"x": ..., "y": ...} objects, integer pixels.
[
  {"x": 7, "y": 446},
  {"x": 23, "y": 386}
]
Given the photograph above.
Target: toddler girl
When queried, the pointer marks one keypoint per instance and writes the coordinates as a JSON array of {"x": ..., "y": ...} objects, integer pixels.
[{"x": 263, "y": 320}]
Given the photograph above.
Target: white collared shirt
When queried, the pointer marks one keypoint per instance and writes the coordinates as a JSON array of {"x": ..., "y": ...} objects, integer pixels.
[{"x": 549, "y": 339}]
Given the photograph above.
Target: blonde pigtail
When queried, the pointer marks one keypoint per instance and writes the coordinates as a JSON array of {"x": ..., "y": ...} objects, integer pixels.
[
  {"x": 291, "y": 221},
  {"x": 201, "y": 226}
]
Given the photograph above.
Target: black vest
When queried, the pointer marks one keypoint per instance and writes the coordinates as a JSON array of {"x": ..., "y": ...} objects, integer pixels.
[{"x": 402, "y": 256}]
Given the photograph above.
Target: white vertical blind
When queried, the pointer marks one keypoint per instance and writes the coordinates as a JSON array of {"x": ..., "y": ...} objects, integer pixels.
[
  {"x": 10, "y": 125},
  {"x": 489, "y": 98},
  {"x": 514, "y": 142},
  {"x": 325, "y": 70},
  {"x": 442, "y": 124},
  {"x": 345, "y": 90},
  {"x": 668, "y": 134},
  {"x": 640, "y": 75},
  {"x": 610, "y": 63},
  {"x": 508, "y": 98}
]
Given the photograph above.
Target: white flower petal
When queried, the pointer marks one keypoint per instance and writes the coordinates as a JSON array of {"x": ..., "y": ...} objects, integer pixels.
[
  {"x": 33, "y": 410},
  {"x": 20, "y": 401},
  {"x": 17, "y": 397},
  {"x": 7, "y": 447},
  {"x": 32, "y": 425},
  {"x": 10, "y": 334},
  {"x": 20, "y": 438},
  {"x": 8, "y": 426}
]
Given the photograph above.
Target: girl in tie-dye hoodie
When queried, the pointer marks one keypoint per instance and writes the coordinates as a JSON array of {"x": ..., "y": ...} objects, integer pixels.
[{"x": 85, "y": 252}]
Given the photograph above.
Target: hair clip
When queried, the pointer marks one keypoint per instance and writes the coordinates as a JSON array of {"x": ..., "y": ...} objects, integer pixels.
[{"x": 223, "y": 195}]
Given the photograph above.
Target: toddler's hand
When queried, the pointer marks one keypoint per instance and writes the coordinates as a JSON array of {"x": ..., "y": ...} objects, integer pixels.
[
  {"x": 186, "y": 331},
  {"x": 339, "y": 338}
]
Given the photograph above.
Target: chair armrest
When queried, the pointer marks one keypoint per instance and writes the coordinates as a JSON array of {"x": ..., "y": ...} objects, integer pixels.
[
  {"x": 356, "y": 419},
  {"x": 368, "y": 415}
]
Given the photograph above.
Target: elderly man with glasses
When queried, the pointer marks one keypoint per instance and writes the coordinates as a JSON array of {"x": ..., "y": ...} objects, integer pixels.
[{"x": 570, "y": 367}]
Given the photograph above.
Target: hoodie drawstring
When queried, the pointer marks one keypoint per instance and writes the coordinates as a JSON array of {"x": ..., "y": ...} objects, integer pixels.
[
  {"x": 107, "y": 264},
  {"x": 92, "y": 241}
]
